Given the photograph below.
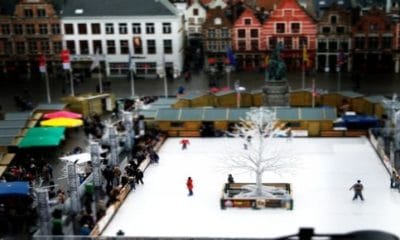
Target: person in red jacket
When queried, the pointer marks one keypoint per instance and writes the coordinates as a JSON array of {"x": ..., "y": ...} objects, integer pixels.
[
  {"x": 189, "y": 185},
  {"x": 184, "y": 143}
]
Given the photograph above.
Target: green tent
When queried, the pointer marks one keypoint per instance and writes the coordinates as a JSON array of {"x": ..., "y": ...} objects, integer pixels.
[{"x": 42, "y": 137}]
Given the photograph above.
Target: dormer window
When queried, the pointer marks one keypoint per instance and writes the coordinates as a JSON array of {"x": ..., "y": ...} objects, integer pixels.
[
  {"x": 79, "y": 11},
  {"x": 217, "y": 21},
  {"x": 247, "y": 21},
  {"x": 195, "y": 11}
]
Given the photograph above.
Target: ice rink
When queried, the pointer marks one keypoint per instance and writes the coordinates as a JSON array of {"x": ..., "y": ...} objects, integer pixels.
[{"x": 325, "y": 170}]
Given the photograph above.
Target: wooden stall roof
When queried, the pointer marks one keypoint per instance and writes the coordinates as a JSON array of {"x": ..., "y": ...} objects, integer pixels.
[
  {"x": 228, "y": 92},
  {"x": 235, "y": 114},
  {"x": 13, "y": 124},
  {"x": 301, "y": 90},
  {"x": 10, "y": 132},
  {"x": 215, "y": 114},
  {"x": 193, "y": 95},
  {"x": 256, "y": 91},
  {"x": 7, "y": 141},
  {"x": 148, "y": 113},
  {"x": 18, "y": 116},
  {"x": 190, "y": 115},
  {"x": 350, "y": 94},
  {"x": 168, "y": 114},
  {"x": 50, "y": 106},
  {"x": 376, "y": 99},
  {"x": 2, "y": 170},
  {"x": 6, "y": 159},
  {"x": 164, "y": 101}
]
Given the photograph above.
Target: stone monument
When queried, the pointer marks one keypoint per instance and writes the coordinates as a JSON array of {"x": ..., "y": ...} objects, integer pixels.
[{"x": 276, "y": 88}]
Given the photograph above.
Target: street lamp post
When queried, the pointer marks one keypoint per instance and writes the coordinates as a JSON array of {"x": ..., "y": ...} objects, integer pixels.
[
  {"x": 132, "y": 72},
  {"x": 238, "y": 90},
  {"x": 162, "y": 73},
  {"x": 228, "y": 70},
  {"x": 339, "y": 80}
]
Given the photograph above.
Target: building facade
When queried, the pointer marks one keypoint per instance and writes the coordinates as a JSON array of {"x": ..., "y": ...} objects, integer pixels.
[
  {"x": 28, "y": 29},
  {"x": 334, "y": 39},
  {"x": 373, "y": 41},
  {"x": 246, "y": 33},
  {"x": 216, "y": 36},
  {"x": 153, "y": 35},
  {"x": 195, "y": 16},
  {"x": 291, "y": 25}
]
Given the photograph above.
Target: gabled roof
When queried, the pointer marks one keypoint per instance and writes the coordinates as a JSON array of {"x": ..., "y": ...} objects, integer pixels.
[
  {"x": 212, "y": 14},
  {"x": 248, "y": 13},
  {"x": 119, "y": 8}
]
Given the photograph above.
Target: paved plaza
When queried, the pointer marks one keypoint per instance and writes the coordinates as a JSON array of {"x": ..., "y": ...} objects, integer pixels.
[{"x": 384, "y": 84}]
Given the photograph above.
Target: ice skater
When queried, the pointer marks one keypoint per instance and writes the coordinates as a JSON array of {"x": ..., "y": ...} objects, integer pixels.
[
  {"x": 189, "y": 185},
  {"x": 230, "y": 179},
  {"x": 358, "y": 188},
  {"x": 247, "y": 143},
  {"x": 184, "y": 143},
  {"x": 393, "y": 179}
]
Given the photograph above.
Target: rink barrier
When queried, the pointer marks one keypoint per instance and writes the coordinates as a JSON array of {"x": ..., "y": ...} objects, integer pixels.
[
  {"x": 113, "y": 209},
  {"x": 381, "y": 152}
]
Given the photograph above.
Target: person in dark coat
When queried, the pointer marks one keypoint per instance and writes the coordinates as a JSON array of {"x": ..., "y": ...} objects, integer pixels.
[
  {"x": 154, "y": 156},
  {"x": 189, "y": 185},
  {"x": 393, "y": 179},
  {"x": 139, "y": 176},
  {"x": 358, "y": 188},
  {"x": 230, "y": 179},
  {"x": 108, "y": 175}
]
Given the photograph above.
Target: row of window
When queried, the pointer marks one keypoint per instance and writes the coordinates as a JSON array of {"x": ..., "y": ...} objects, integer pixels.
[
  {"x": 109, "y": 28},
  {"x": 124, "y": 46},
  {"x": 29, "y": 29},
  {"x": 40, "y": 12},
  {"x": 218, "y": 33},
  {"x": 373, "y": 43},
  {"x": 30, "y": 47}
]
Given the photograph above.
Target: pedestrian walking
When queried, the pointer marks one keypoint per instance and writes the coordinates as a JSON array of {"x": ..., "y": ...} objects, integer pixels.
[
  {"x": 358, "y": 188},
  {"x": 393, "y": 179},
  {"x": 139, "y": 176},
  {"x": 184, "y": 143},
  {"x": 189, "y": 185},
  {"x": 230, "y": 179}
]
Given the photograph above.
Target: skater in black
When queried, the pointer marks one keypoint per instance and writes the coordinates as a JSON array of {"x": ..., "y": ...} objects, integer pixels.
[
  {"x": 358, "y": 188},
  {"x": 393, "y": 180},
  {"x": 230, "y": 179}
]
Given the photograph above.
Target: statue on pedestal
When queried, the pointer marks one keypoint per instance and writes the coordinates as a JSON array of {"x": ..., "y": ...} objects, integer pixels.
[
  {"x": 277, "y": 68},
  {"x": 276, "y": 89}
]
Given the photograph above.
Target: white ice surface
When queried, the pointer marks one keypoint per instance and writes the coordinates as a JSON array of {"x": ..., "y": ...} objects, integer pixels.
[{"x": 326, "y": 169}]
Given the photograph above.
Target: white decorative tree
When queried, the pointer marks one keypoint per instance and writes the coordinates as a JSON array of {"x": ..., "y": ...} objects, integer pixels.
[{"x": 262, "y": 151}]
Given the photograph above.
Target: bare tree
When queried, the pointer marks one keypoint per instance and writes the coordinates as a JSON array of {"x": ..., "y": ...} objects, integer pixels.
[{"x": 261, "y": 151}]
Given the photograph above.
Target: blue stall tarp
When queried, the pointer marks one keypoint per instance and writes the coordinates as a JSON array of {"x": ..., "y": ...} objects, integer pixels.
[
  {"x": 14, "y": 189},
  {"x": 360, "y": 121}
]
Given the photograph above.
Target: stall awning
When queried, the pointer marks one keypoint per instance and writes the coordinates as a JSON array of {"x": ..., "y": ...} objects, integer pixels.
[
  {"x": 42, "y": 137},
  {"x": 14, "y": 189}
]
